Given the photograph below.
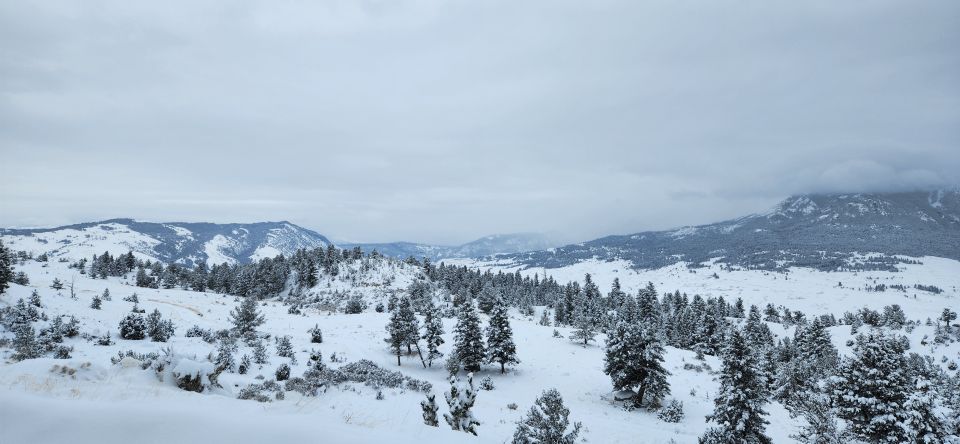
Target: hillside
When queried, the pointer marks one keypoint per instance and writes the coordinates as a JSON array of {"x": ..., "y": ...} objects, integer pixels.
[
  {"x": 492, "y": 245},
  {"x": 822, "y": 231},
  {"x": 173, "y": 242}
]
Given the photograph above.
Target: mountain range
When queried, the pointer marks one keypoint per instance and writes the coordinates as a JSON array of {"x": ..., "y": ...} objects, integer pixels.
[{"x": 823, "y": 231}]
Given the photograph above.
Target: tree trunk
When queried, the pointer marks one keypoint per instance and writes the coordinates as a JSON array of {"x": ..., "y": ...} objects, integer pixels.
[
  {"x": 503, "y": 368},
  {"x": 398, "y": 358},
  {"x": 422, "y": 361}
]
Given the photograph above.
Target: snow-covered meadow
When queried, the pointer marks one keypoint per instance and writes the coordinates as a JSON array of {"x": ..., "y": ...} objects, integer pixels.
[{"x": 89, "y": 399}]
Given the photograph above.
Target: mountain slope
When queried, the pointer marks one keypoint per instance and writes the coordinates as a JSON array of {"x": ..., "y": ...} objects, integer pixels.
[
  {"x": 183, "y": 243},
  {"x": 483, "y": 247},
  {"x": 824, "y": 231}
]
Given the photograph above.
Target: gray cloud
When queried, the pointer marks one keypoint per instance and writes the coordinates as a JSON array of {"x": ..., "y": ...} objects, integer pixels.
[{"x": 442, "y": 121}]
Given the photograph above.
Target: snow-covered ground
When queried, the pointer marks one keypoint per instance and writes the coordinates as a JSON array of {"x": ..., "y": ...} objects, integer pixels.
[
  {"x": 96, "y": 401},
  {"x": 813, "y": 292}
]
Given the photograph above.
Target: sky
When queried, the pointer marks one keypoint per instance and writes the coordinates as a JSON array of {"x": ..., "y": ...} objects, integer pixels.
[{"x": 443, "y": 121}]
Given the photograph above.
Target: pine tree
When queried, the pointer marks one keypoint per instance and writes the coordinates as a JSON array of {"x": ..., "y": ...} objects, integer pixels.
[
  {"x": 738, "y": 408},
  {"x": 6, "y": 268},
  {"x": 429, "y": 407},
  {"x": 487, "y": 298},
  {"x": 583, "y": 321},
  {"x": 547, "y": 422},
  {"x": 461, "y": 400},
  {"x": 56, "y": 285},
  {"x": 819, "y": 423},
  {"x": 35, "y": 299},
  {"x": 132, "y": 327},
  {"x": 923, "y": 420},
  {"x": 500, "y": 346},
  {"x": 871, "y": 389},
  {"x": 25, "y": 342},
  {"x": 159, "y": 330},
  {"x": 468, "y": 339},
  {"x": 95, "y": 303},
  {"x": 433, "y": 332},
  {"x": 403, "y": 329},
  {"x": 260, "y": 353},
  {"x": 634, "y": 360},
  {"x": 106, "y": 295},
  {"x": 246, "y": 317}
]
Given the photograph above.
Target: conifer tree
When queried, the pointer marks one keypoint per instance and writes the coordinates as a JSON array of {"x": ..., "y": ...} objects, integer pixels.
[
  {"x": 871, "y": 389},
  {"x": 583, "y": 321},
  {"x": 95, "y": 303},
  {"x": 738, "y": 408},
  {"x": 158, "y": 329},
  {"x": 246, "y": 317},
  {"x": 403, "y": 328},
  {"x": 35, "y": 299},
  {"x": 132, "y": 327},
  {"x": 923, "y": 420},
  {"x": 500, "y": 346},
  {"x": 433, "y": 332},
  {"x": 468, "y": 339},
  {"x": 547, "y": 422},
  {"x": 634, "y": 360},
  {"x": 56, "y": 285},
  {"x": 461, "y": 400},
  {"x": 429, "y": 407},
  {"x": 6, "y": 268},
  {"x": 25, "y": 342},
  {"x": 487, "y": 298}
]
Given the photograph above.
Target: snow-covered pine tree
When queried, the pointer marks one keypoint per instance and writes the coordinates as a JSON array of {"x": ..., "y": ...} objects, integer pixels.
[
  {"x": 487, "y": 297},
  {"x": 260, "y": 353},
  {"x": 547, "y": 422},
  {"x": 468, "y": 339},
  {"x": 316, "y": 335},
  {"x": 871, "y": 388},
  {"x": 738, "y": 407},
  {"x": 429, "y": 407},
  {"x": 159, "y": 330},
  {"x": 133, "y": 327},
  {"x": 403, "y": 328},
  {"x": 95, "y": 303},
  {"x": 461, "y": 400},
  {"x": 583, "y": 321},
  {"x": 25, "y": 342},
  {"x": 433, "y": 332},
  {"x": 500, "y": 346},
  {"x": 106, "y": 295},
  {"x": 35, "y": 299},
  {"x": 284, "y": 347},
  {"x": 819, "y": 422},
  {"x": 633, "y": 360},
  {"x": 246, "y": 317},
  {"x": 6, "y": 268},
  {"x": 224, "y": 360},
  {"x": 923, "y": 419}
]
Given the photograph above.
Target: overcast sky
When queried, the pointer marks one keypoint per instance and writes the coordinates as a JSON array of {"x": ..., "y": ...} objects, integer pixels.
[{"x": 441, "y": 121}]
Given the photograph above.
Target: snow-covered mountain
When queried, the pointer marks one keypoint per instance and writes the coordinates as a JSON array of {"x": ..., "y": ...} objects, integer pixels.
[
  {"x": 483, "y": 247},
  {"x": 183, "y": 243},
  {"x": 824, "y": 231}
]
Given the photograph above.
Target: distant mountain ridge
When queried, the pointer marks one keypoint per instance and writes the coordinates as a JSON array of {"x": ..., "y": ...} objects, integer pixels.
[
  {"x": 185, "y": 243},
  {"x": 483, "y": 247},
  {"x": 188, "y": 243},
  {"x": 823, "y": 231}
]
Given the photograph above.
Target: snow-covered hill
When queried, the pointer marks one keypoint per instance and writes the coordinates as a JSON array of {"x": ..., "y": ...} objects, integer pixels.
[
  {"x": 825, "y": 231},
  {"x": 88, "y": 387},
  {"x": 174, "y": 242},
  {"x": 486, "y": 246}
]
